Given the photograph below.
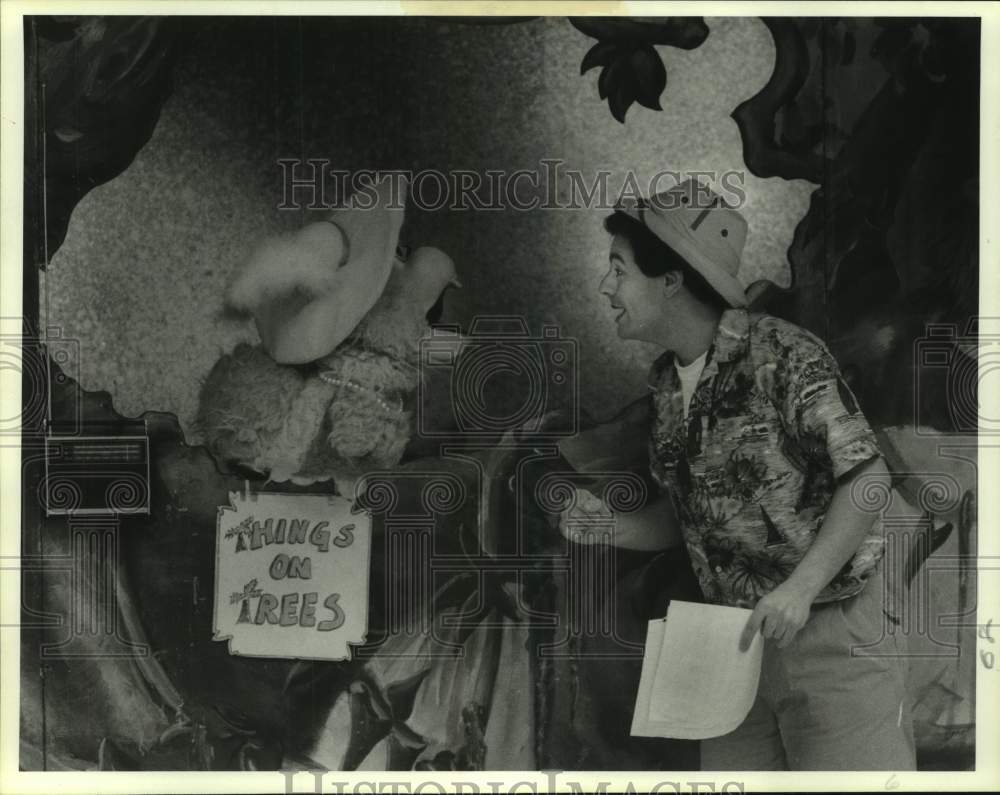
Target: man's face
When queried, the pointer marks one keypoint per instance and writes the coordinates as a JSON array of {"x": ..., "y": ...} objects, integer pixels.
[{"x": 638, "y": 299}]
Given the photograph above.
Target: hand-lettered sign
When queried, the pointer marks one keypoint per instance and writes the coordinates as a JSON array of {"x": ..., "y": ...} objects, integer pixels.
[{"x": 291, "y": 576}]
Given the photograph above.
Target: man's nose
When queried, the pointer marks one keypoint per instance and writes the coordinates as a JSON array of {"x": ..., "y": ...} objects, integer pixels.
[{"x": 604, "y": 287}]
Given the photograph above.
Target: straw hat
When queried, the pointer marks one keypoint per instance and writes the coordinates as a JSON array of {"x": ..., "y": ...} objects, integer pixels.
[
  {"x": 309, "y": 289},
  {"x": 696, "y": 223}
]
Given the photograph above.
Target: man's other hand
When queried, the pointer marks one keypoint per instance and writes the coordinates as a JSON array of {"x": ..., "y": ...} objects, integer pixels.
[
  {"x": 582, "y": 511},
  {"x": 778, "y": 616}
]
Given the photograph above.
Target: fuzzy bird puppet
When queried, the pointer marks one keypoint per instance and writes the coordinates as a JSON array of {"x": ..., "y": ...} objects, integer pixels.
[{"x": 340, "y": 310}]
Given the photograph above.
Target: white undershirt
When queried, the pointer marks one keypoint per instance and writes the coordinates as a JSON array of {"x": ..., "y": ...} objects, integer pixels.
[{"x": 689, "y": 375}]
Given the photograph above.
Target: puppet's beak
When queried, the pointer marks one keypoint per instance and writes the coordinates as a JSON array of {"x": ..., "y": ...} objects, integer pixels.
[{"x": 454, "y": 282}]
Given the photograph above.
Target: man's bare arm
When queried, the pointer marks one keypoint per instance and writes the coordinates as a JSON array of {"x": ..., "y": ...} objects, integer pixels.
[
  {"x": 844, "y": 528},
  {"x": 652, "y": 527},
  {"x": 784, "y": 611}
]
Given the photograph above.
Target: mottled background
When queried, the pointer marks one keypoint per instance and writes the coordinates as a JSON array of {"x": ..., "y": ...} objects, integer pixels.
[{"x": 140, "y": 277}]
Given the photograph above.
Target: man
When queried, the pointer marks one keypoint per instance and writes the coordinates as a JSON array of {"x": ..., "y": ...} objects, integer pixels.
[{"x": 759, "y": 447}]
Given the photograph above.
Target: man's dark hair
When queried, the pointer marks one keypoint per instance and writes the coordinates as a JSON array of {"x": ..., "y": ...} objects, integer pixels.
[{"x": 656, "y": 258}]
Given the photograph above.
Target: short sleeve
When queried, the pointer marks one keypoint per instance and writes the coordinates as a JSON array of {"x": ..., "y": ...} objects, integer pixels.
[
  {"x": 656, "y": 469},
  {"x": 818, "y": 405}
]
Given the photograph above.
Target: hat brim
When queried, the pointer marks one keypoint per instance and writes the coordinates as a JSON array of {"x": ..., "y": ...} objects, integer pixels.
[
  {"x": 297, "y": 330},
  {"x": 728, "y": 287}
]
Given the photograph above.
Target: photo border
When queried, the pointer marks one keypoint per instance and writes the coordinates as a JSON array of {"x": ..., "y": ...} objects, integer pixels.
[{"x": 987, "y": 775}]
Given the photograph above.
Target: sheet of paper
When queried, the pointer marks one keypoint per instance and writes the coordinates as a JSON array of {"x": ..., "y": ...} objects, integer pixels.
[{"x": 695, "y": 682}]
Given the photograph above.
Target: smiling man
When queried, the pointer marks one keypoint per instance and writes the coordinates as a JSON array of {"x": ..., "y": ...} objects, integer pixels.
[{"x": 757, "y": 443}]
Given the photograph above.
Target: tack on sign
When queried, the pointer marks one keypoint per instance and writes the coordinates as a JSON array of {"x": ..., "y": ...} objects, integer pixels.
[{"x": 291, "y": 576}]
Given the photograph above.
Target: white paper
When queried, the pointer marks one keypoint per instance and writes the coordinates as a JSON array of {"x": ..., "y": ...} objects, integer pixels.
[{"x": 695, "y": 682}]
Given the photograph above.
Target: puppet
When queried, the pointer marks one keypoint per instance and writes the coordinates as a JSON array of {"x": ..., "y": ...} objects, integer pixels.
[{"x": 340, "y": 309}]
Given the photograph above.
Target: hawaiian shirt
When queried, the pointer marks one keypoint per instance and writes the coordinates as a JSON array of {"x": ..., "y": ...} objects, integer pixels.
[{"x": 771, "y": 428}]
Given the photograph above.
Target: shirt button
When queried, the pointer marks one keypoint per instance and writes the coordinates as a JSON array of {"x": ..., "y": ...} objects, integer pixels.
[{"x": 718, "y": 569}]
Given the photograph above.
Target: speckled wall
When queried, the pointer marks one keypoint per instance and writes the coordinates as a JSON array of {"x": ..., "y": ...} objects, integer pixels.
[{"x": 140, "y": 277}]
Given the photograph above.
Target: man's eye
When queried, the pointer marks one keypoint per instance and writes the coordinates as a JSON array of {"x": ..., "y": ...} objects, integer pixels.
[{"x": 402, "y": 253}]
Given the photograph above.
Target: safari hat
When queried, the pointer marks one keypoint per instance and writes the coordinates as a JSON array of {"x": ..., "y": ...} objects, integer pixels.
[
  {"x": 308, "y": 290},
  {"x": 696, "y": 223}
]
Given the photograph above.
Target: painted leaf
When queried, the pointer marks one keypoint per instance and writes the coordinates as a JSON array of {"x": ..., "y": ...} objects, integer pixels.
[
  {"x": 378, "y": 704},
  {"x": 402, "y": 694},
  {"x": 400, "y": 756},
  {"x": 610, "y": 75},
  {"x": 111, "y": 757},
  {"x": 366, "y": 730},
  {"x": 683, "y": 32},
  {"x": 601, "y": 54},
  {"x": 236, "y": 720},
  {"x": 408, "y": 738},
  {"x": 621, "y": 98},
  {"x": 650, "y": 76}
]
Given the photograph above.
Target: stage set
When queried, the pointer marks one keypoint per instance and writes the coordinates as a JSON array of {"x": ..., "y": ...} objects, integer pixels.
[{"x": 236, "y": 561}]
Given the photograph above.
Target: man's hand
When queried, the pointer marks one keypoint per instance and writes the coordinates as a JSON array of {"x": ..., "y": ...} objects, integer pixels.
[
  {"x": 783, "y": 612},
  {"x": 586, "y": 506},
  {"x": 779, "y": 615}
]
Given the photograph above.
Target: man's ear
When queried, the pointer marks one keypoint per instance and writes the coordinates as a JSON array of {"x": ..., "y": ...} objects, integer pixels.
[{"x": 672, "y": 283}]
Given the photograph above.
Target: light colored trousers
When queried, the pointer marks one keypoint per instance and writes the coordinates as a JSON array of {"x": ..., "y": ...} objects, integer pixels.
[{"x": 820, "y": 707}]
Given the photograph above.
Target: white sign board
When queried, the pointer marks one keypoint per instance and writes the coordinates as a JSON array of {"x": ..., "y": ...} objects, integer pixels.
[{"x": 291, "y": 576}]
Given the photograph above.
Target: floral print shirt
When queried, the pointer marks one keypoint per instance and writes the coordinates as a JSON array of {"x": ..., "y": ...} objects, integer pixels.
[{"x": 771, "y": 428}]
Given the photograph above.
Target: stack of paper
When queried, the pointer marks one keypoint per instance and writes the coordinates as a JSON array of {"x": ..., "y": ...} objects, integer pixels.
[{"x": 696, "y": 683}]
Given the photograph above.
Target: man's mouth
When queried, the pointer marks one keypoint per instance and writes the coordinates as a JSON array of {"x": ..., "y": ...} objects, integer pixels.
[{"x": 620, "y": 314}]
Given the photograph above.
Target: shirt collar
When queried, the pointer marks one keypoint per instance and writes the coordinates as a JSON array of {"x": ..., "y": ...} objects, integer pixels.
[
  {"x": 732, "y": 338},
  {"x": 732, "y": 335}
]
